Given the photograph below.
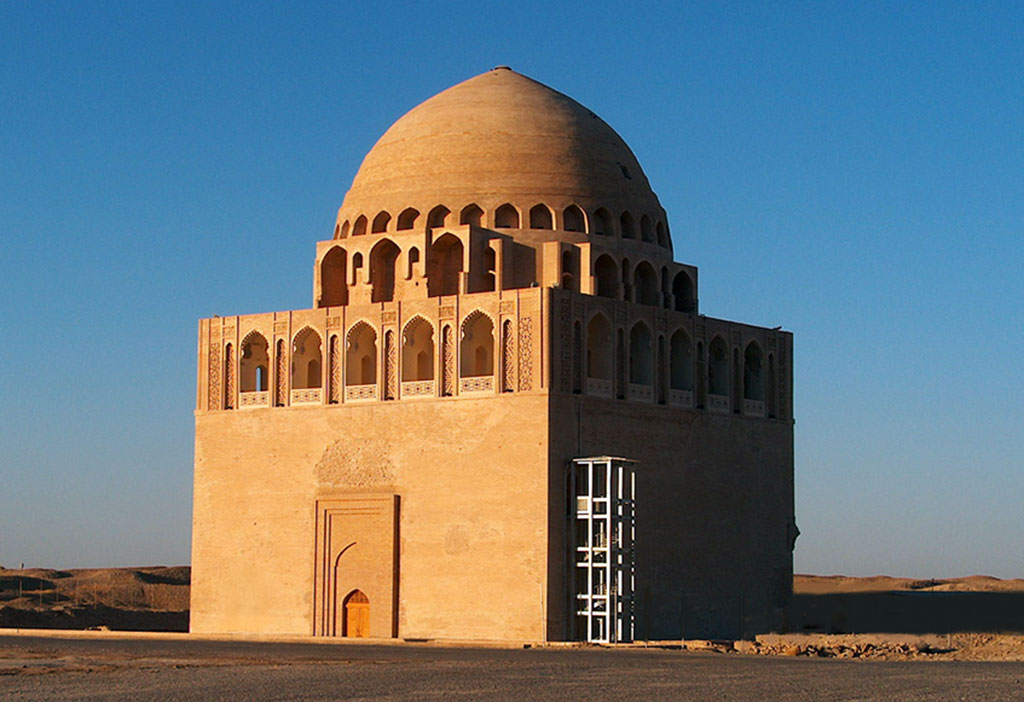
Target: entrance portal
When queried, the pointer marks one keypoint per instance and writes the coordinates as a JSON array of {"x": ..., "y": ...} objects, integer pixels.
[
  {"x": 356, "y": 621},
  {"x": 356, "y": 561}
]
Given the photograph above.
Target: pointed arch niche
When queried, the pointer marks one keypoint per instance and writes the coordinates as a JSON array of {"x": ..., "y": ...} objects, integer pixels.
[
  {"x": 334, "y": 278},
  {"x": 506, "y": 217},
  {"x": 606, "y": 277},
  {"x": 540, "y": 217},
  {"x": 361, "y": 362},
  {"x": 753, "y": 380},
  {"x": 438, "y": 217},
  {"x": 645, "y": 285},
  {"x": 680, "y": 370},
  {"x": 254, "y": 371},
  {"x": 471, "y": 214},
  {"x": 573, "y": 219},
  {"x": 418, "y": 358},
  {"x": 383, "y": 257},
  {"x": 682, "y": 293},
  {"x": 641, "y": 363},
  {"x": 444, "y": 266},
  {"x": 718, "y": 375},
  {"x": 407, "y": 219},
  {"x": 307, "y": 361},
  {"x": 476, "y": 353}
]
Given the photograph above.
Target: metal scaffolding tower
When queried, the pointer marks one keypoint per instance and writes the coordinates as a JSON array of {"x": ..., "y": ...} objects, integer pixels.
[{"x": 601, "y": 531}]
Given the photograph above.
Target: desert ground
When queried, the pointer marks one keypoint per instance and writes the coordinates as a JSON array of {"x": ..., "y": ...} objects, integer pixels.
[
  {"x": 970, "y": 618},
  {"x": 109, "y": 634},
  {"x": 145, "y": 668}
]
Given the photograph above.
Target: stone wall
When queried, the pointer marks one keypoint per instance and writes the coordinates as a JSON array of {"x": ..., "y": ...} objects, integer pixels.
[{"x": 470, "y": 476}]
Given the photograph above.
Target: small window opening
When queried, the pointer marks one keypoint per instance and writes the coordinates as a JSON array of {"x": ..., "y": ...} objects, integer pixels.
[
  {"x": 407, "y": 220},
  {"x": 506, "y": 217},
  {"x": 380, "y": 223}
]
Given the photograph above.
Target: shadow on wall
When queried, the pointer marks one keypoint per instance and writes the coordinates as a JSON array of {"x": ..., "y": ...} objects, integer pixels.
[{"x": 908, "y": 612}]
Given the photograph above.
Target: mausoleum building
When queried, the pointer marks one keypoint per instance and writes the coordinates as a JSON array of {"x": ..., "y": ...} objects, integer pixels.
[{"x": 499, "y": 333}]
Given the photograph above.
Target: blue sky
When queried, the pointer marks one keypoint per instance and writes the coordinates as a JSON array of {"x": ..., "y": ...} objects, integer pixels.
[{"x": 851, "y": 171}]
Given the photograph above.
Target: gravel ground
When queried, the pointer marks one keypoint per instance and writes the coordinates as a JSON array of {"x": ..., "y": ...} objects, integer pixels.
[{"x": 95, "y": 668}]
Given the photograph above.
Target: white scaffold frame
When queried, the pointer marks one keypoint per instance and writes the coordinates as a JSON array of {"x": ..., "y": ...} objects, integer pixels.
[{"x": 602, "y": 527}]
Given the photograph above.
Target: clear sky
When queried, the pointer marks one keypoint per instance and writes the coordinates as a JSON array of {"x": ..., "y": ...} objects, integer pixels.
[{"x": 851, "y": 171}]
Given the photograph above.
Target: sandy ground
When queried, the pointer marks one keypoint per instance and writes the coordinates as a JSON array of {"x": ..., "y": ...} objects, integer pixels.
[{"x": 141, "y": 668}]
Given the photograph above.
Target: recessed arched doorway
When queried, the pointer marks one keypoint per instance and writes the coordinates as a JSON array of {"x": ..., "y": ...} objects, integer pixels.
[{"x": 356, "y": 615}]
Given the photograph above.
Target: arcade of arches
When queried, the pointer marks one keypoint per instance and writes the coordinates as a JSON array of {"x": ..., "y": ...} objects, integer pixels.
[{"x": 664, "y": 367}]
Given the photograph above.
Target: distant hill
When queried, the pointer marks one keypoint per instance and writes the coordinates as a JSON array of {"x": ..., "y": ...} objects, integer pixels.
[
  {"x": 156, "y": 598},
  {"x": 880, "y": 604},
  {"x": 831, "y": 584},
  {"x": 130, "y": 599}
]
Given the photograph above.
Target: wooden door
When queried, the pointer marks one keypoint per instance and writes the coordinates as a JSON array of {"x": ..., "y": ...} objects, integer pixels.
[{"x": 357, "y": 615}]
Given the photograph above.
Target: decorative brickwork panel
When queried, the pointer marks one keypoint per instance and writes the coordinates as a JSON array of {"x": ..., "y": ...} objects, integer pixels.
[
  {"x": 621, "y": 367},
  {"x": 718, "y": 403},
  {"x": 508, "y": 357},
  {"x": 659, "y": 371},
  {"x": 334, "y": 322},
  {"x": 680, "y": 398},
  {"x": 334, "y": 377},
  {"x": 280, "y": 327},
  {"x": 783, "y": 410},
  {"x": 418, "y": 388},
  {"x": 306, "y": 396},
  {"x": 389, "y": 317},
  {"x": 281, "y": 381},
  {"x": 640, "y": 393},
  {"x": 447, "y": 311},
  {"x": 390, "y": 366},
  {"x": 565, "y": 346},
  {"x": 577, "y": 358},
  {"x": 525, "y": 354},
  {"x": 447, "y": 362},
  {"x": 356, "y": 393},
  {"x": 483, "y": 383},
  {"x": 229, "y": 377},
  {"x": 213, "y": 367},
  {"x": 259, "y": 398},
  {"x": 507, "y": 307}
]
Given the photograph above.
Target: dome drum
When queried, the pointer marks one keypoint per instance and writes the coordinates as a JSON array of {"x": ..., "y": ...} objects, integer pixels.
[{"x": 503, "y": 215}]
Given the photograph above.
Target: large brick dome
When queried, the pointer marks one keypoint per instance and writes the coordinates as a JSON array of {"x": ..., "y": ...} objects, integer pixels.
[{"x": 496, "y": 138}]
